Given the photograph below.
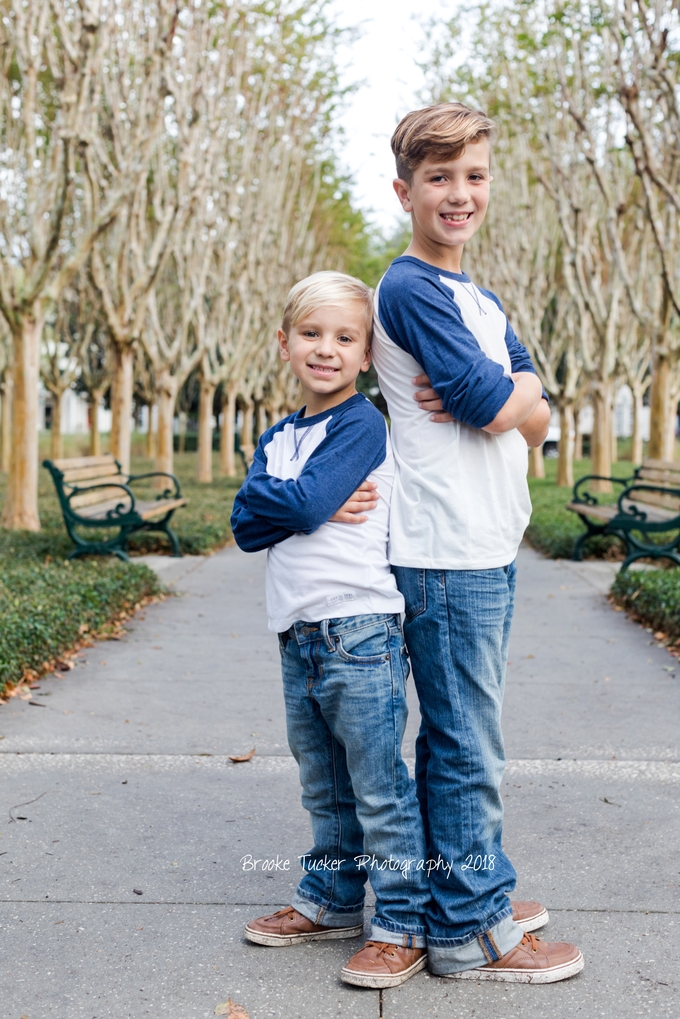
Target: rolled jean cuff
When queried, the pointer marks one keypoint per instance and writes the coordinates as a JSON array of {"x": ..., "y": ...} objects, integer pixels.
[
  {"x": 320, "y": 914},
  {"x": 405, "y": 939},
  {"x": 487, "y": 947}
]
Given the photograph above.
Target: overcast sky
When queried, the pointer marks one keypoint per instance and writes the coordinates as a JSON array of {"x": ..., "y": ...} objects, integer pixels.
[{"x": 385, "y": 58}]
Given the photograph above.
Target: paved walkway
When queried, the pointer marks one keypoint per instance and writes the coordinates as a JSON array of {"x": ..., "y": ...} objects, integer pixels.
[{"x": 126, "y": 764}]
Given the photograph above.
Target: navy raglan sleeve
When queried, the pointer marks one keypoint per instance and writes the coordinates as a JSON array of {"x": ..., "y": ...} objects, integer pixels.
[
  {"x": 425, "y": 320},
  {"x": 355, "y": 445},
  {"x": 520, "y": 358},
  {"x": 253, "y": 533}
]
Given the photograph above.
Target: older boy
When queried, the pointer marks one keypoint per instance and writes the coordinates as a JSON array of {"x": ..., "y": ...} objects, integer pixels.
[
  {"x": 334, "y": 602},
  {"x": 460, "y": 505}
]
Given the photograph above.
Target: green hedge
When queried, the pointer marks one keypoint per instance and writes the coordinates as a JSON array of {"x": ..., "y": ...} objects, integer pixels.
[
  {"x": 653, "y": 596},
  {"x": 45, "y": 607}
]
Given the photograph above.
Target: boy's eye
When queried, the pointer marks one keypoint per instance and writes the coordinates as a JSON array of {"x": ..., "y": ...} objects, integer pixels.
[
  {"x": 345, "y": 339},
  {"x": 310, "y": 332}
]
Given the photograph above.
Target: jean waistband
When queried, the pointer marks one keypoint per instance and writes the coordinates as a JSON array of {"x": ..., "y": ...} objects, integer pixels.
[{"x": 307, "y": 632}]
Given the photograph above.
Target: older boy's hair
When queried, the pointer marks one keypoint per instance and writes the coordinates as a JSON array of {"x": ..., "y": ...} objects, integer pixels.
[
  {"x": 436, "y": 132},
  {"x": 325, "y": 288}
]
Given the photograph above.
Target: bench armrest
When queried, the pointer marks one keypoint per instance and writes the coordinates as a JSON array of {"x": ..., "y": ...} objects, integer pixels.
[
  {"x": 166, "y": 493},
  {"x": 585, "y": 497},
  {"x": 93, "y": 488}
]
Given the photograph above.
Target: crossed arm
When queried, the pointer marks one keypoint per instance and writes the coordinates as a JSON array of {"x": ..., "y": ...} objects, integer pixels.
[{"x": 525, "y": 410}]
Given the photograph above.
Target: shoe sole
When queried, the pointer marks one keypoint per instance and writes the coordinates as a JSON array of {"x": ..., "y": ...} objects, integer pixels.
[
  {"x": 350, "y": 976},
  {"x": 522, "y": 976},
  {"x": 533, "y": 923},
  {"x": 285, "y": 940}
]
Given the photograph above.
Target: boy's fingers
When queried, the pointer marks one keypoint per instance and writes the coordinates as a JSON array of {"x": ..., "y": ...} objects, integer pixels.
[
  {"x": 426, "y": 395},
  {"x": 367, "y": 486},
  {"x": 422, "y": 380},
  {"x": 343, "y": 516},
  {"x": 443, "y": 416}
]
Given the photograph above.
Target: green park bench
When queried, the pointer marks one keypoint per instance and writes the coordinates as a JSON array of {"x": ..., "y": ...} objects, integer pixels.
[
  {"x": 647, "y": 509},
  {"x": 94, "y": 493}
]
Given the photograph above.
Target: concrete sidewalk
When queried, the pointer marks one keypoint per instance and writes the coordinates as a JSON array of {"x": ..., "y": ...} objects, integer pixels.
[{"x": 126, "y": 764}]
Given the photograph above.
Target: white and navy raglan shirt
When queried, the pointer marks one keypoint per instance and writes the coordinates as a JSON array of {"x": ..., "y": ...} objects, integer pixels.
[
  {"x": 460, "y": 499},
  {"x": 304, "y": 470}
]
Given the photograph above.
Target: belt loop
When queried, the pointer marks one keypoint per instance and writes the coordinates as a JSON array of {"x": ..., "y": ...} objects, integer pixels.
[{"x": 324, "y": 633}]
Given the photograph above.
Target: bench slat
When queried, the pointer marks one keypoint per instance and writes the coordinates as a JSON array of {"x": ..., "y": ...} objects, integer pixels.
[
  {"x": 103, "y": 494},
  {"x": 83, "y": 461},
  {"x": 99, "y": 510},
  {"x": 655, "y": 514},
  {"x": 90, "y": 473},
  {"x": 641, "y": 498},
  {"x": 604, "y": 512},
  {"x": 661, "y": 465},
  {"x": 146, "y": 510},
  {"x": 154, "y": 508}
]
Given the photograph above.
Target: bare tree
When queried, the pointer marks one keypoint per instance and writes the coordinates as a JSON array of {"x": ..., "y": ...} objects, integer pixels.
[{"x": 65, "y": 177}]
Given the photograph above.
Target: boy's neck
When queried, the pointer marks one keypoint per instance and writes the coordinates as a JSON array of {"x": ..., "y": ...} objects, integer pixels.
[
  {"x": 318, "y": 403},
  {"x": 438, "y": 255}
]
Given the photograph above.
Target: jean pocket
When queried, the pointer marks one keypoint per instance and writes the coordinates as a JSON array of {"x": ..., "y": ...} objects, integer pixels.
[
  {"x": 411, "y": 583},
  {"x": 366, "y": 645}
]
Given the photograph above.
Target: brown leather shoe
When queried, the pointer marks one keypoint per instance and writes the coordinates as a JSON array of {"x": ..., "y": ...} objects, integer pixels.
[
  {"x": 379, "y": 964},
  {"x": 529, "y": 915},
  {"x": 288, "y": 927},
  {"x": 531, "y": 962}
]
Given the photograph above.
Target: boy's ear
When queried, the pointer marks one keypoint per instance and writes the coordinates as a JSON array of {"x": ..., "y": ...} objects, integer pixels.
[
  {"x": 283, "y": 345},
  {"x": 403, "y": 193},
  {"x": 366, "y": 363}
]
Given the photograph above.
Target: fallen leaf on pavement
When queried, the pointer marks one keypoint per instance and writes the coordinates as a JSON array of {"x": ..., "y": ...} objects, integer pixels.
[
  {"x": 231, "y": 1010},
  {"x": 239, "y": 758},
  {"x": 137, "y": 891}
]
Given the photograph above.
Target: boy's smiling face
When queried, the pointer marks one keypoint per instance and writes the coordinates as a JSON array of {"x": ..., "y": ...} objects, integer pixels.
[
  {"x": 447, "y": 200},
  {"x": 327, "y": 349}
]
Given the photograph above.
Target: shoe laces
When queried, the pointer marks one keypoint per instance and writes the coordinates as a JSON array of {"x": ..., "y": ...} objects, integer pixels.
[
  {"x": 288, "y": 911},
  {"x": 382, "y": 947},
  {"x": 531, "y": 939}
]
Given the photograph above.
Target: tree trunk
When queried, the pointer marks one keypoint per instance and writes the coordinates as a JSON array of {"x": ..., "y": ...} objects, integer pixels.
[
  {"x": 636, "y": 439},
  {"x": 182, "y": 431},
  {"x": 121, "y": 403},
  {"x": 56, "y": 441},
  {"x": 601, "y": 439},
  {"x": 261, "y": 418},
  {"x": 6, "y": 425},
  {"x": 536, "y": 462},
  {"x": 95, "y": 437},
  {"x": 578, "y": 438},
  {"x": 21, "y": 506},
  {"x": 565, "y": 448},
  {"x": 150, "y": 433},
  {"x": 614, "y": 436},
  {"x": 659, "y": 406},
  {"x": 165, "y": 399},
  {"x": 672, "y": 425},
  {"x": 247, "y": 444},
  {"x": 205, "y": 430},
  {"x": 227, "y": 433}
]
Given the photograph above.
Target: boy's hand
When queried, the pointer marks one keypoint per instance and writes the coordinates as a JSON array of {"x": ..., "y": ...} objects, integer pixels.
[
  {"x": 353, "y": 512},
  {"x": 429, "y": 400}
]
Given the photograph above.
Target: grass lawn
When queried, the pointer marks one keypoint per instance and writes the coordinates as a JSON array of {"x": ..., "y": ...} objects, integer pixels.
[{"x": 48, "y": 605}]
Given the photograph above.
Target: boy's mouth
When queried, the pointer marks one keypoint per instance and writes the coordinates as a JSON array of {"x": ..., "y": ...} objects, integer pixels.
[
  {"x": 455, "y": 217},
  {"x": 323, "y": 369}
]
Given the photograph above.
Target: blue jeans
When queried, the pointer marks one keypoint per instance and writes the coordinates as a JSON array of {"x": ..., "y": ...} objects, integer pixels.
[
  {"x": 457, "y": 627},
  {"x": 344, "y": 685}
]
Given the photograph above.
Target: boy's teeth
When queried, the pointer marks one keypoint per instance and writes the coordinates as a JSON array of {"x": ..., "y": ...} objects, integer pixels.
[{"x": 456, "y": 217}]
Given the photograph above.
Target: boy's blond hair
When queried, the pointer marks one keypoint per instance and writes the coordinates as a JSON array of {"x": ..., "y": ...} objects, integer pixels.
[
  {"x": 325, "y": 288},
  {"x": 436, "y": 132}
]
